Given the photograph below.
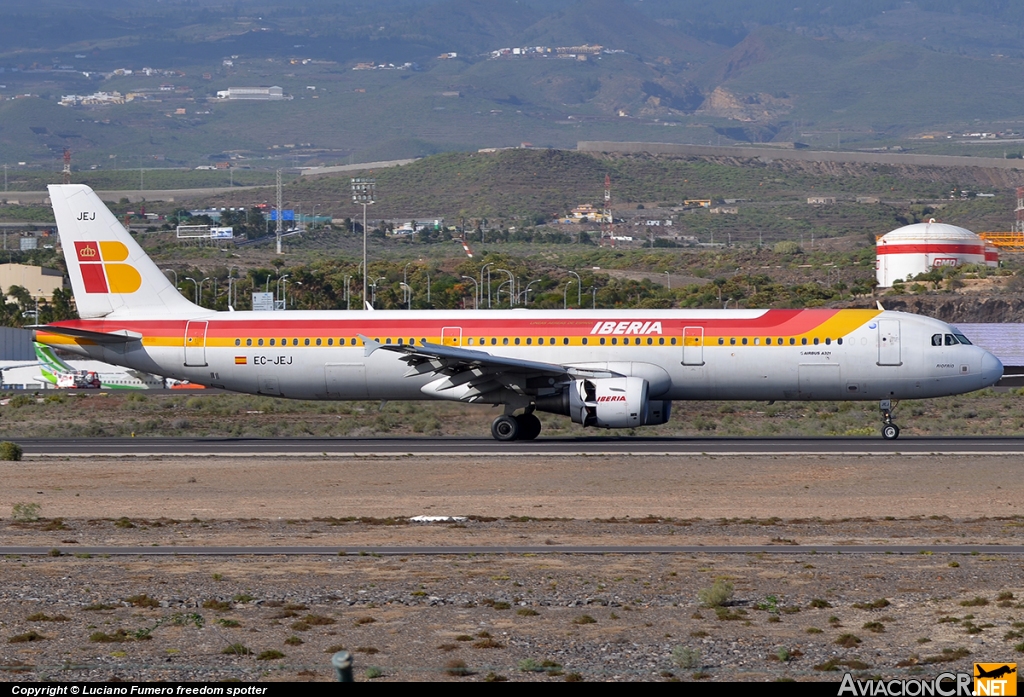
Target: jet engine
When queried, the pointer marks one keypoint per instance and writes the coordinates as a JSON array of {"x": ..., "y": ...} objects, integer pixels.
[{"x": 607, "y": 403}]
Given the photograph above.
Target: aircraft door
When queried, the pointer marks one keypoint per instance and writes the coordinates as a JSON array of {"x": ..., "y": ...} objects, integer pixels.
[
  {"x": 451, "y": 336},
  {"x": 889, "y": 342},
  {"x": 693, "y": 345},
  {"x": 195, "y": 343}
]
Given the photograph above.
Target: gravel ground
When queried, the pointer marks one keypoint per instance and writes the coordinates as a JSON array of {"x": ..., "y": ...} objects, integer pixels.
[{"x": 521, "y": 617}]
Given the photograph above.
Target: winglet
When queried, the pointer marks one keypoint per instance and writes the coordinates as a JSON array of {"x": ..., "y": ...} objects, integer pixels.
[
  {"x": 368, "y": 306},
  {"x": 880, "y": 308},
  {"x": 370, "y": 344}
]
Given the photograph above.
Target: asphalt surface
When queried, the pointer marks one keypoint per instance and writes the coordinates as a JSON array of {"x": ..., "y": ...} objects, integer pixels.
[
  {"x": 392, "y": 447},
  {"x": 532, "y": 550}
]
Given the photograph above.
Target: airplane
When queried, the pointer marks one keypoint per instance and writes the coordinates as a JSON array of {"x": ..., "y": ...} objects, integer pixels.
[
  {"x": 603, "y": 368},
  {"x": 57, "y": 372}
]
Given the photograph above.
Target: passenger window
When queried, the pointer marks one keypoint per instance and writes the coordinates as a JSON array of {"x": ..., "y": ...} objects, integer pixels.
[
  {"x": 295, "y": 342},
  {"x": 661, "y": 341},
  {"x": 551, "y": 341},
  {"x": 306, "y": 342},
  {"x": 732, "y": 341},
  {"x": 673, "y": 341},
  {"x": 936, "y": 339},
  {"x": 768, "y": 341},
  {"x": 504, "y": 341},
  {"x": 839, "y": 341},
  {"x": 529, "y": 341},
  {"x": 517, "y": 341},
  {"x": 330, "y": 342},
  {"x": 828, "y": 341},
  {"x": 614, "y": 341},
  {"x": 565, "y": 341},
  {"x": 584, "y": 341},
  {"x": 238, "y": 342},
  {"x": 248, "y": 342},
  {"x": 650, "y": 341},
  {"x": 721, "y": 341},
  {"x": 780, "y": 341},
  {"x": 815, "y": 341},
  {"x": 469, "y": 341},
  {"x": 757, "y": 341},
  {"x": 744, "y": 341},
  {"x": 272, "y": 341},
  {"x": 792, "y": 341},
  {"x": 950, "y": 340},
  {"x": 803, "y": 342},
  {"x": 602, "y": 341},
  {"x": 319, "y": 342},
  {"x": 260, "y": 342}
]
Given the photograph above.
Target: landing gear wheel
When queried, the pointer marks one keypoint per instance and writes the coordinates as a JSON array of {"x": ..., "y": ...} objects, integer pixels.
[
  {"x": 505, "y": 428},
  {"x": 529, "y": 426},
  {"x": 890, "y": 431}
]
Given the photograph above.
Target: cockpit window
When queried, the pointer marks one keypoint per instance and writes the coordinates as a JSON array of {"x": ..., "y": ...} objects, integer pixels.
[
  {"x": 936, "y": 339},
  {"x": 950, "y": 340},
  {"x": 962, "y": 339}
]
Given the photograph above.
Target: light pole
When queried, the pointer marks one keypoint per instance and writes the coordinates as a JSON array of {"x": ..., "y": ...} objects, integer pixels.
[
  {"x": 373, "y": 298},
  {"x": 279, "y": 293},
  {"x": 196, "y": 284},
  {"x": 579, "y": 289},
  {"x": 512, "y": 286},
  {"x": 526, "y": 293},
  {"x": 490, "y": 263},
  {"x": 405, "y": 282},
  {"x": 407, "y": 292},
  {"x": 668, "y": 280},
  {"x": 476, "y": 292},
  {"x": 175, "y": 275},
  {"x": 363, "y": 193}
]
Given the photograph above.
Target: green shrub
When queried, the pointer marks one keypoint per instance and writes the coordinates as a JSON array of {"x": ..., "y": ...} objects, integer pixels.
[
  {"x": 25, "y": 512},
  {"x": 686, "y": 658},
  {"x": 10, "y": 451},
  {"x": 269, "y": 655},
  {"x": 237, "y": 650},
  {"x": 718, "y": 594}
]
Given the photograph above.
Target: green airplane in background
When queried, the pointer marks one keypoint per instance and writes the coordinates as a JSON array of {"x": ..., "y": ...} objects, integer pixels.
[{"x": 57, "y": 372}]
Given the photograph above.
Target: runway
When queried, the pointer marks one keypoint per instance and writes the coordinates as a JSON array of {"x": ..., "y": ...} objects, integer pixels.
[
  {"x": 256, "y": 550},
  {"x": 542, "y": 447}
]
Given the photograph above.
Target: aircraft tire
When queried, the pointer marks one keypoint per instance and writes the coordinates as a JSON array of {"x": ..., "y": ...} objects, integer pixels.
[
  {"x": 890, "y": 431},
  {"x": 505, "y": 428},
  {"x": 529, "y": 426}
]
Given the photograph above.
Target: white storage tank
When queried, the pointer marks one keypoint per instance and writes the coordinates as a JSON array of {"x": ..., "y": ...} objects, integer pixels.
[{"x": 921, "y": 247}]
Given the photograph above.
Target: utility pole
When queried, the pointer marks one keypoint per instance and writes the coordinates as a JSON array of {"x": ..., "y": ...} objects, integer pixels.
[
  {"x": 278, "y": 211},
  {"x": 67, "y": 169},
  {"x": 363, "y": 192}
]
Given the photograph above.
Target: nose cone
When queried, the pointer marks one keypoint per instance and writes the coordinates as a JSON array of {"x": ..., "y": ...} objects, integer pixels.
[{"x": 991, "y": 370}]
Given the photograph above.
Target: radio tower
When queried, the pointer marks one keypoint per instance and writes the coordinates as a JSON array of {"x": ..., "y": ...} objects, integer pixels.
[
  {"x": 67, "y": 167},
  {"x": 606, "y": 217}
]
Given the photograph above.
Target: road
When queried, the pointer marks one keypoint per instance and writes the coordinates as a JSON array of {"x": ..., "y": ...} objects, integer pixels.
[{"x": 485, "y": 447}]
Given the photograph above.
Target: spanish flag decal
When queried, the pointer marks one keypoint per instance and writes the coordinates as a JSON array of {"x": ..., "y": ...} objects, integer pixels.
[{"x": 240, "y": 360}]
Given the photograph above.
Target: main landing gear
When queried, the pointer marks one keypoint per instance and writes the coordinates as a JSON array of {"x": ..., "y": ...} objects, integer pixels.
[
  {"x": 890, "y": 431},
  {"x": 506, "y": 427}
]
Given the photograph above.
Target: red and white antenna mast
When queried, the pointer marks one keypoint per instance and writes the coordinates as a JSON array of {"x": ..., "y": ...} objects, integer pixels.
[
  {"x": 67, "y": 166},
  {"x": 1018, "y": 224}
]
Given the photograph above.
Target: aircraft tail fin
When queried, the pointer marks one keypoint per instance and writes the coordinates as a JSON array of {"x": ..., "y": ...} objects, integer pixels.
[
  {"x": 110, "y": 274},
  {"x": 49, "y": 360}
]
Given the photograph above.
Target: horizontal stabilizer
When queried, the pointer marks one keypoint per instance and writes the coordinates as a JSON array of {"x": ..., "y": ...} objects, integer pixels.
[{"x": 122, "y": 336}]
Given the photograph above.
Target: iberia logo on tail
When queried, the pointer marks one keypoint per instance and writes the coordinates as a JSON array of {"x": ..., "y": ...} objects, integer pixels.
[{"x": 100, "y": 271}]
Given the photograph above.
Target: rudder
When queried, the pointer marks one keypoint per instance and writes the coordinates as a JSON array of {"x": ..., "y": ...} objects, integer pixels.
[{"x": 110, "y": 274}]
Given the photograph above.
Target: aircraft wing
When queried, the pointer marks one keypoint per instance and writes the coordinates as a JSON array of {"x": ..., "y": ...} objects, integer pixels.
[{"x": 478, "y": 372}]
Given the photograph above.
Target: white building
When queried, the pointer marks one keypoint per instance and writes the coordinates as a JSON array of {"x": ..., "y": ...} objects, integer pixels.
[
  {"x": 921, "y": 247},
  {"x": 264, "y": 93}
]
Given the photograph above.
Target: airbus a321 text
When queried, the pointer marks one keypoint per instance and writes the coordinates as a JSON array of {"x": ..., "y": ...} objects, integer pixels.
[{"x": 602, "y": 368}]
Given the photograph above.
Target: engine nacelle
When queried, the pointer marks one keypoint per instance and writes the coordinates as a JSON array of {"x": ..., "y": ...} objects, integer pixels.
[{"x": 609, "y": 402}]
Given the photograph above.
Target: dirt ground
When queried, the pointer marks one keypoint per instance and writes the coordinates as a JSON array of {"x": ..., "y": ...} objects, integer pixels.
[{"x": 519, "y": 617}]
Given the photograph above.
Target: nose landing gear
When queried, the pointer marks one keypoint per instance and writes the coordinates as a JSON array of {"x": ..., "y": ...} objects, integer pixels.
[{"x": 890, "y": 431}]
